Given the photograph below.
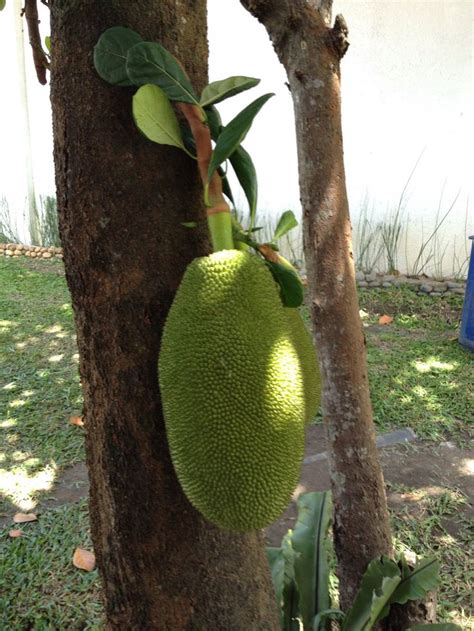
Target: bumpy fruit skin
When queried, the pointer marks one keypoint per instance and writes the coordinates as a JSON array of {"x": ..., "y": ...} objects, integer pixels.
[
  {"x": 233, "y": 392},
  {"x": 303, "y": 344}
]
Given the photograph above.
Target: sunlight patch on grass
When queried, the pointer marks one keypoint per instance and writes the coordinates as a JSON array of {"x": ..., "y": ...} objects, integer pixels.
[
  {"x": 16, "y": 403},
  {"x": 433, "y": 364},
  {"x": 20, "y": 487}
]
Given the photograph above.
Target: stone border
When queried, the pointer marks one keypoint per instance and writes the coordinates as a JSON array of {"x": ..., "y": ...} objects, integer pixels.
[
  {"x": 422, "y": 285},
  {"x": 32, "y": 251},
  {"x": 372, "y": 280}
]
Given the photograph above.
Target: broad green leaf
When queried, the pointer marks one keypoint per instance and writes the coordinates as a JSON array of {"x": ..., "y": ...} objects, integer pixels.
[
  {"x": 291, "y": 287},
  {"x": 443, "y": 626},
  {"x": 378, "y": 584},
  {"x": 110, "y": 54},
  {"x": 276, "y": 562},
  {"x": 245, "y": 171},
  {"x": 281, "y": 562},
  {"x": 225, "y": 185},
  {"x": 2, "y": 4},
  {"x": 311, "y": 564},
  {"x": 234, "y": 133},
  {"x": 155, "y": 117},
  {"x": 149, "y": 62},
  {"x": 217, "y": 91},
  {"x": 214, "y": 121},
  {"x": 289, "y": 611},
  {"x": 327, "y": 614},
  {"x": 47, "y": 42},
  {"x": 286, "y": 223},
  {"x": 417, "y": 583}
]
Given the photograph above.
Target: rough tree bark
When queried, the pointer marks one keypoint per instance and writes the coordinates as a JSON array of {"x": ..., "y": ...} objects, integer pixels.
[
  {"x": 310, "y": 50},
  {"x": 121, "y": 201}
]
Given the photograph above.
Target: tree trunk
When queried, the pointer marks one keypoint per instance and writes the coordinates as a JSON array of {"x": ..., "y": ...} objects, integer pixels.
[
  {"x": 121, "y": 203},
  {"x": 311, "y": 51}
]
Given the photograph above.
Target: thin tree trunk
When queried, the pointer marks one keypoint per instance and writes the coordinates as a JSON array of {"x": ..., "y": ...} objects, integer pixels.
[
  {"x": 121, "y": 203},
  {"x": 311, "y": 51}
]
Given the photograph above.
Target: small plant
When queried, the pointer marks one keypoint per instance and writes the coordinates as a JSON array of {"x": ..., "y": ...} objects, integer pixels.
[
  {"x": 49, "y": 232},
  {"x": 300, "y": 575},
  {"x": 8, "y": 232}
]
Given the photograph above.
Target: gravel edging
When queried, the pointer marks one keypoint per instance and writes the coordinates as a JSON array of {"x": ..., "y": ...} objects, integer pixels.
[
  {"x": 365, "y": 281},
  {"x": 31, "y": 251}
]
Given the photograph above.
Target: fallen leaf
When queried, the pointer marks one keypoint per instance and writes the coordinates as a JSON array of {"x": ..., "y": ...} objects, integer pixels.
[
  {"x": 22, "y": 518},
  {"x": 76, "y": 420},
  {"x": 83, "y": 559},
  {"x": 15, "y": 533},
  {"x": 385, "y": 319}
]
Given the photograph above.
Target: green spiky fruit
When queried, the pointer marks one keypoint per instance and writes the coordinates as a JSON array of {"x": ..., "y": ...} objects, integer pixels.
[
  {"x": 232, "y": 386},
  {"x": 303, "y": 343}
]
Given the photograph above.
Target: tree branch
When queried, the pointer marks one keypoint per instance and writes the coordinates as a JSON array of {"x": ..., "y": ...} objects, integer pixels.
[{"x": 40, "y": 60}]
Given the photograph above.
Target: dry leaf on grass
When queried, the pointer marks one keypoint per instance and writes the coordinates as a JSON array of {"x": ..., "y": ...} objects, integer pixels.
[
  {"x": 15, "y": 533},
  {"x": 76, "y": 420},
  {"x": 385, "y": 319},
  {"x": 23, "y": 518},
  {"x": 83, "y": 559}
]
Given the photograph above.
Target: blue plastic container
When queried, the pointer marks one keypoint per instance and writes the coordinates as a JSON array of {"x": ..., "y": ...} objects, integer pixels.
[{"x": 466, "y": 336}]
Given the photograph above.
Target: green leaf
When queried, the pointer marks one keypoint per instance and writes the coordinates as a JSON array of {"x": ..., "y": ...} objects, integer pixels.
[
  {"x": 225, "y": 185},
  {"x": 189, "y": 224},
  {"x": 443, "y": 626},
  {"x": 417, "y": 583},
  {"x": 281, "y": 562},
  {"x": 217, "y": 91},
  {"x": 2, "y": 4},
  {"x": 286, "y": 223},
  {"x": 246, "y": 174},
  {"x": 110, "y": 54},
  {"x": 214, "y": 121},
  {"x": 234, "y": 133},
  {"x": 311, "y": 564},
  {"x": 291, "y": 287},
  {"x": 155, "y": 117},
  {"x": 378, "y": 584},
  {"x": 47, "y": 42},
  {"x": 327, "y": 614},
  {"x": 149, "y": 62}
]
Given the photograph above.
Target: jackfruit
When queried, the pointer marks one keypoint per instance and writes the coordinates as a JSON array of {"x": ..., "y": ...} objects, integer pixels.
[
  {"x": 304, "y": 346},
  {"x": 233, "y": 391}
]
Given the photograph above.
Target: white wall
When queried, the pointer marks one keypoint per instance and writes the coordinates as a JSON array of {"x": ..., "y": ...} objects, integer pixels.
[{"x": 407, "y": 89}]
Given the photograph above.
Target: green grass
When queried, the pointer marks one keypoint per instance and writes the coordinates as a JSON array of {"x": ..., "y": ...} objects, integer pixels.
[
  {"x": 437, "y": 525},
  {"x": 39, "y": 382},
  {"x": 40, "y": 589},
  {"x": 419, "y": 376}
]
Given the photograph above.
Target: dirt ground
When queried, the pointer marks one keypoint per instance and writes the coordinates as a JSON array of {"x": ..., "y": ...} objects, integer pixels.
[{"x": 408, "y": 466}]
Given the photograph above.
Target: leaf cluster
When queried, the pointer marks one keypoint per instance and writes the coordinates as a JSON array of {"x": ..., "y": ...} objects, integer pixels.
[
  {"x": 300, "y": 575},
  {"x": 122, "y": 58}
]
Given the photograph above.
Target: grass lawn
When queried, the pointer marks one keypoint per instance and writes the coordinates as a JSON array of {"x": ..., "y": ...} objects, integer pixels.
[{"x": 420, "y": 377}]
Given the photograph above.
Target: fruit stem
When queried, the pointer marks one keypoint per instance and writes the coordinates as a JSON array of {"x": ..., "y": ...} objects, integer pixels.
[{"x": 218, "y": 211}]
